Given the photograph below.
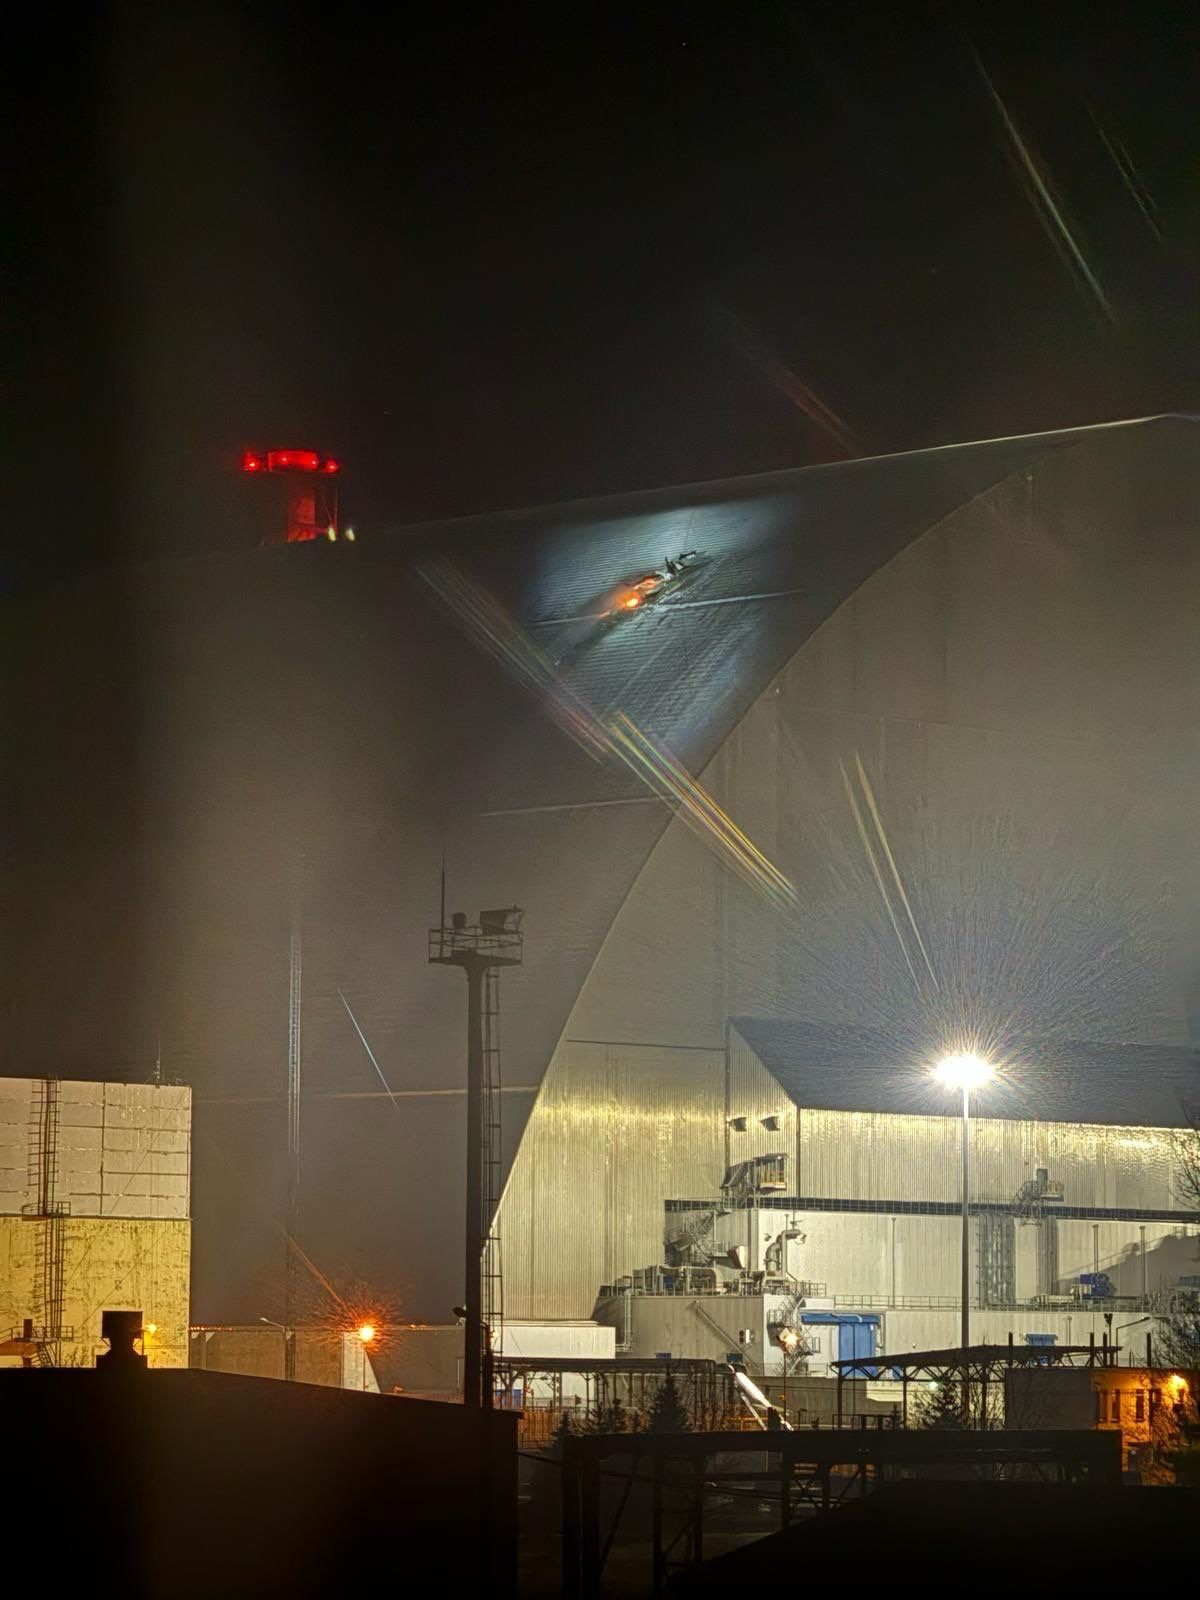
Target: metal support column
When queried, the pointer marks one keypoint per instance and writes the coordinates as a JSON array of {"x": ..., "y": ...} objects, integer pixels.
[
  {"x": 495, "y": 941},
  {"x": 473, "y": 1255}
]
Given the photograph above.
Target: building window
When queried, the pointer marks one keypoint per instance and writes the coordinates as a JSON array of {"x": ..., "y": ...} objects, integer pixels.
[
  {"x": 1139, "y": 1406},
  {"x": 1114, "y": 1403}
]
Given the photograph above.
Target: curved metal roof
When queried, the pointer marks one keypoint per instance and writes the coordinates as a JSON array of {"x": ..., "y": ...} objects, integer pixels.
[{"x": 189, "y": 730}]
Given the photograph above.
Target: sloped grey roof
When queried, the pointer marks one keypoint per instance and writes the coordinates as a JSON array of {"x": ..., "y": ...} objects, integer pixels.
[{"x": 826, "y": 1066}]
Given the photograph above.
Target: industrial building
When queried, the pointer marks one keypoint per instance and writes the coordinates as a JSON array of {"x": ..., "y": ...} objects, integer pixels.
[
  {"x": 891, "y": 758},
  {"x": 95, "y": 1185},
  {"x": 333, "y": 1358},
  {"x": 835, "y": 1228},
  {"x": 1146, "y": 1406}
]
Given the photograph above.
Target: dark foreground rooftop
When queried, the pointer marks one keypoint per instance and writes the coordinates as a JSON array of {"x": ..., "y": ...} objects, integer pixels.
[{"x": 973, "y": 1534}]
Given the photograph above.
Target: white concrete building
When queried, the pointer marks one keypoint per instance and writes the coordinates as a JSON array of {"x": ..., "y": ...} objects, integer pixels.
[{"x": 95, "y": 1184}]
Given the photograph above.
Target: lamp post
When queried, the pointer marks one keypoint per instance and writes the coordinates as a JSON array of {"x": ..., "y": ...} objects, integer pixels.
[
  {"x": 283, "y": 1331},
  {"x": 965, "y": 1073},
  {"x": 366, "y": 1334}
]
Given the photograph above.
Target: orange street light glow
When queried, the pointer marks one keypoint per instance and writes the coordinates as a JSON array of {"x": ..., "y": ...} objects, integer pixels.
[{"x": 366, "y": 1332}]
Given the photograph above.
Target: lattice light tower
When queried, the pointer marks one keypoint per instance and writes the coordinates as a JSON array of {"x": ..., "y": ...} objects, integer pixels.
[{"x": 481, "y": 949}]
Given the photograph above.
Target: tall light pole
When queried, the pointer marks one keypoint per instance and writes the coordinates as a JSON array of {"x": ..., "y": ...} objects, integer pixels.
[
  {"x": 965, "y": 1073},
  {"x": 479, "y": 949}
]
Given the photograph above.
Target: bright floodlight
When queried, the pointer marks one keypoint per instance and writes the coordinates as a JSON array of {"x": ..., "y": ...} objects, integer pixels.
[
  {"x": 962, "y": 1072},
  {"x": 366, "y": 1333}
]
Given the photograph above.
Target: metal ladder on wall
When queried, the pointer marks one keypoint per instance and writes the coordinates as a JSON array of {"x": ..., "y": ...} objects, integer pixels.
[
  {"x": 50, "y": 1214},
  {"x": 491, "y": 1269}
]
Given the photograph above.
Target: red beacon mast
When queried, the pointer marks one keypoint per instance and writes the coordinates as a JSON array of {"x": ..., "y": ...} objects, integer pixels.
[{"x": 311, "y": 483}]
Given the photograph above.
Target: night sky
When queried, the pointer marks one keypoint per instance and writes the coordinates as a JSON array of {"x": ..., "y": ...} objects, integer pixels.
[{"x": 538, "y": 253}]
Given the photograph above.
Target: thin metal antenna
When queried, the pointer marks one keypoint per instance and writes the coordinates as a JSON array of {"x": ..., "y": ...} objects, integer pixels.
[
  {"x": 442, "y": 918},
  {"x": 158, "y": 1060},
  {"x": 295, "y": 1006}
]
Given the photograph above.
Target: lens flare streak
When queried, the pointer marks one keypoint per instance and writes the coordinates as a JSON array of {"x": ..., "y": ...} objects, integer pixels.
[
  {"x": 616, "y": 739},
  {"x": 370, "y": 1053},
  {"x": 869, "y": 794},
  {"x": 780, "y": 376},
  {"x": 1128, "y": 175},
  {"x": 675, "y": 785},
  {"x": 862, "y": 833},
  {"x": 496, "y": 633},
  {"x": 1049, "y": 211}
]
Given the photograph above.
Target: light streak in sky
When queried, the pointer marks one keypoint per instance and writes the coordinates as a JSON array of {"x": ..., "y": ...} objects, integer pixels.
[
  {"x": 1050, "y": 213},
  {"x": 780, "y": 376},
  {"x": 1128, "y": 174},
  {"x": 367, "y": 1048}
]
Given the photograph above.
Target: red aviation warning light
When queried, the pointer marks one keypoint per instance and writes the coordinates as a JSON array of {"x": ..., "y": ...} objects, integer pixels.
[
  {"x": 293, "y": 461},
  {"x": 311, "y": 489}
]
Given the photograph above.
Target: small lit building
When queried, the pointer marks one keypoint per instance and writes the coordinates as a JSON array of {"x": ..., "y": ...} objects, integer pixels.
[
  {"x": 95, "y": 1187},
  {"x": 425, "y": 1359},
  {"x": 334, "y": 1358},
  {"x": 1146, "y": 1405}
]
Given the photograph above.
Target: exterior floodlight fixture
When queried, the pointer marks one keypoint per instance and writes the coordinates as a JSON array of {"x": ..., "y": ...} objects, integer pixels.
[
  {"x": 366, "y": 1332},
  {"x": 505, "y": 919},
  {"x": 963, "y": 1072}
]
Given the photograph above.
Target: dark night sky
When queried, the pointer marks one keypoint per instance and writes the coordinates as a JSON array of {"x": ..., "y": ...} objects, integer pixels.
[{"x": 540, "y": 253}]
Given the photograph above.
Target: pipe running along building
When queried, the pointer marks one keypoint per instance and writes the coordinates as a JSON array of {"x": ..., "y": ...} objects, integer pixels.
[{"x": 889, "y": 759}]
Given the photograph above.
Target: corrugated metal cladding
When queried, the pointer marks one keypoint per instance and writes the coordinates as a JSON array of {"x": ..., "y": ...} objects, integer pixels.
[
  {"x": 616, "y": 1129},
  {"x": 978, "y": 773},
  {"x": 881, "y": 1156}
]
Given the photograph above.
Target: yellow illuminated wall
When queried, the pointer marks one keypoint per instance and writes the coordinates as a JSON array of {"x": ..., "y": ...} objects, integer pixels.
[{"x": 109, "y": 1264}]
